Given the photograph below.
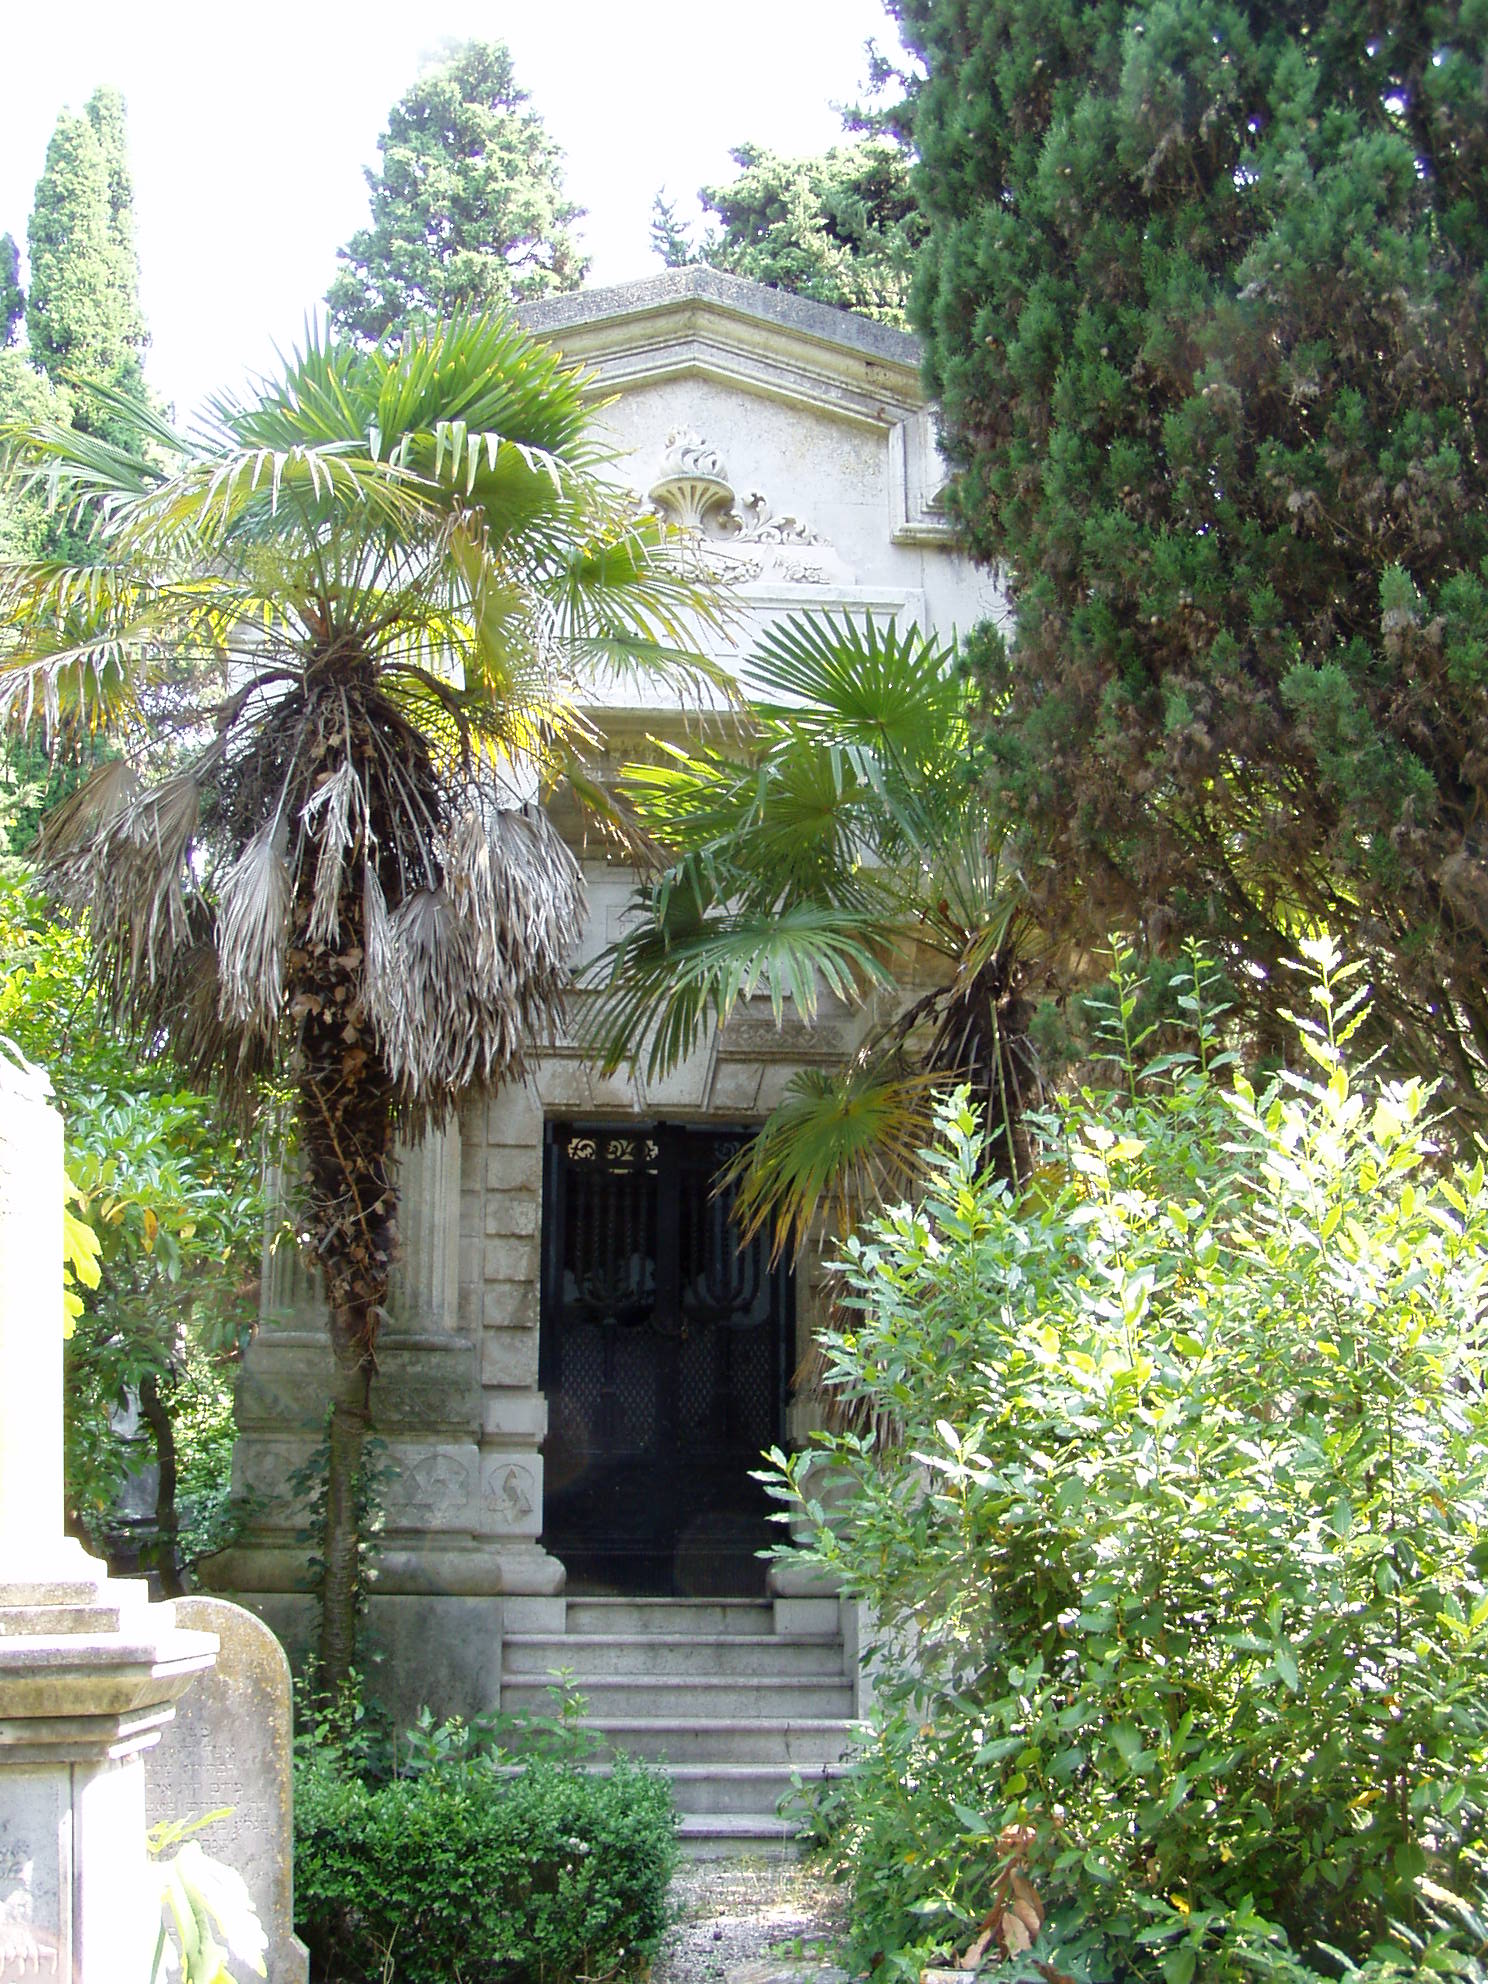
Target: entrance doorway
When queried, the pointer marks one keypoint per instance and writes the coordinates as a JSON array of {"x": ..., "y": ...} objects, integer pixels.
[{"x": 664, "y": 1359}]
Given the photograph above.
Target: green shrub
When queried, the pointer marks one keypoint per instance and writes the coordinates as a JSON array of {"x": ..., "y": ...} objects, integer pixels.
[
  {"x": 543, "y": 1875},
  {"x": 1175, "y": 1520}
]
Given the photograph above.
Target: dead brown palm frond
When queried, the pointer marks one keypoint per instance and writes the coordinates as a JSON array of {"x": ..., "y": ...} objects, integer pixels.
[
  {"x": 122, "y": 855},
  {"x": 340, "y": 804},
  {"x": 98, "y": 801},
  {"x": 253, "y": 906},
  {"x": 456, "y": 973}
]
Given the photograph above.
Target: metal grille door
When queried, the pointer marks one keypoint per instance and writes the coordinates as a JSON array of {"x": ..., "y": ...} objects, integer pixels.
[{"x": 664, "y": 1347}]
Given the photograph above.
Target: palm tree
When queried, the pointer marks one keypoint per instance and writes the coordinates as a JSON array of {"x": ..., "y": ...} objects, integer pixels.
[
  {"x": 340, "y": 633},
  {"x": 843, "y": 844}
]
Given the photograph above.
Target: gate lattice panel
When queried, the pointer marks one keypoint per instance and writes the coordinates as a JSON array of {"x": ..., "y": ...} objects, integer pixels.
[{"x": 664, "y": 1359}]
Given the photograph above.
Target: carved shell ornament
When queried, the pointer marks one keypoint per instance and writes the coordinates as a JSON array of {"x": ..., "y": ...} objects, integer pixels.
[{"x": 692, "y": 489}]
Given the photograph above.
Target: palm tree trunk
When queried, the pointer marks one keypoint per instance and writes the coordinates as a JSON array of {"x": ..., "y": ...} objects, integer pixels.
[
  {"x": 346, "y": 1141},
  {"x": 341, "y": 1587}
]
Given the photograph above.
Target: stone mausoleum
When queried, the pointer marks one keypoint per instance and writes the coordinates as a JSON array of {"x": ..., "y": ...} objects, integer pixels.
[{"x": 581, "y": 1366}]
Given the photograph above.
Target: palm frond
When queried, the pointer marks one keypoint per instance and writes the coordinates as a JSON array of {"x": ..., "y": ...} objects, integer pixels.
[
  {"x": 685, "y": 968},
  {"x": 837, "y": 1144},
  {"x": 121, "y": 853},
  {"x": 253, "y": 905},
  {"x": 459, "y": 973}
]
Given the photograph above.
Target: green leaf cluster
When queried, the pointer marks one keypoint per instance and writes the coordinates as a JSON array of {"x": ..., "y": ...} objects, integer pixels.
[
  {"x": 841, "y": 228},
  {"x": 468, "y": 206},
  {"x": 166, "y": 1221},
  {"x": 1202, "y": 299},
  {"x": 1174, "y": 1522},
  {"x": 478, "y": 1871}
]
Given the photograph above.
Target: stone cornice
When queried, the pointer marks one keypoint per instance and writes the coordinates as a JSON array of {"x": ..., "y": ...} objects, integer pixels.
[{"x": 702, "y": 323}]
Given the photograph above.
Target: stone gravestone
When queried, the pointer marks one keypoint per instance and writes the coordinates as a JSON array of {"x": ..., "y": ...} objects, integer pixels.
[{"x": 230, "y": 1746}]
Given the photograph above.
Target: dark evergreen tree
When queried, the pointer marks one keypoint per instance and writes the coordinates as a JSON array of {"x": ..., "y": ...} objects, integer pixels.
[
  {"x": 105, "y": 112},
  {"x": 468, "y": 206},
  {"x": 1204, "y": 302},
  {"x": 840, "y": 229},
  {"x": 12, "y": 297},
  {"x": 83, "y": 320}
]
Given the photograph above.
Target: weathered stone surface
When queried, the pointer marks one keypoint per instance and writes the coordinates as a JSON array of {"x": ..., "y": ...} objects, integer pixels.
[
  {"x": 513, "y": 1116},
  {"x": 509, "y": 1260},
  {"x": 230, "y": 1746},
  {"x": 509, "y": 1357},
  {"x": 30, "y": 1318},
  {"x": 509, "y": 1168},
  {"x": 422, "y": 1648},
  {"x": 512, "y": 1305},
  {"x": 513, "y": 1213},
  {"x": 284, "y": 1385},
  {"x": 443, "y": 1652},
  {"x": 426, "y": 1383},
  {"x": 516, "y": 1417}
]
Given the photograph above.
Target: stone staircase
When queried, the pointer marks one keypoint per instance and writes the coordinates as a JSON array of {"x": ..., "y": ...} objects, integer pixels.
[{"x": 732, "y": 1695}]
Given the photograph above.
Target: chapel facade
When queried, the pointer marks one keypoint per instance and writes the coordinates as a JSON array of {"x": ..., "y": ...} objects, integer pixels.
[{"x": 581, "y": 1365}]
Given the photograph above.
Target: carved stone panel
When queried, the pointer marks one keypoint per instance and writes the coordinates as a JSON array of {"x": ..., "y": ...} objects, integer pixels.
[
  {"x": 511, "y": 1494},
  {"x": 434, "y": 1489}
]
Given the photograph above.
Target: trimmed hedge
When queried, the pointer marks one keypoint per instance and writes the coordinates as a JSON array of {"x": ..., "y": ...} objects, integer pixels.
[{"x": 531, "y": 1877}]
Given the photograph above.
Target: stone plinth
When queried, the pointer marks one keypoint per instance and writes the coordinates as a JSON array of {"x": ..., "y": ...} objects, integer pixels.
[{"x": 89, "y": 1673}]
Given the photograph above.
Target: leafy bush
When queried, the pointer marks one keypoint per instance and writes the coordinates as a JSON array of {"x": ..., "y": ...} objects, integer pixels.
[
  {"x": 1174, "y": 1516},
  {"x": 537, "y": 1875},
  {"x": 165, "y": 1227}
]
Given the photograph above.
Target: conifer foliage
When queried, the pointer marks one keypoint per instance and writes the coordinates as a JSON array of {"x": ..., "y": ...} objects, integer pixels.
[
  {"x": 840, "y": 229},
  {"x": 83, "y": 319},
  {"x": 468, "y": 206},
  {"x": 1204, "y": 304}
]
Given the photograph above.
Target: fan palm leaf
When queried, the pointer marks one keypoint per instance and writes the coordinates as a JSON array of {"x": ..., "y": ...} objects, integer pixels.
[{"x": 842, "y": 845}]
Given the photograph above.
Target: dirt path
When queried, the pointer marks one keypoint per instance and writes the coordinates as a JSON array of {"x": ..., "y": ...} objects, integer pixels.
[{"x": 737, "y": 1912}]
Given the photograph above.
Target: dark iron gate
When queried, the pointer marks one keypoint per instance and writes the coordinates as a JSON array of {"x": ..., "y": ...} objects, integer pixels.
[{"x": 664, "y": 1360}]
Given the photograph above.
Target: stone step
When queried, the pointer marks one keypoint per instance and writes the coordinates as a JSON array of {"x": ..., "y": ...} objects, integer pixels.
[
  {"x": 707, "y": 1697},
  {"x": 52, "y": 1621},
  {"x": 737, "y": 1836},
  {"x": 676, "y": 1618},
  {"x": 595, "y": 1655},
  {"x": 805, "y": 1744},
  {"x": 732, "y": 1788}
]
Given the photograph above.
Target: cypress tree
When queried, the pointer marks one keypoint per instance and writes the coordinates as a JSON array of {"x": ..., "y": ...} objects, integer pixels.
[
  {"x": 1204, "y": 304},
  {"x": 83, "y": 317},
  {"x": 468, "y": 206},
  {"x": 105, "y": 112}
]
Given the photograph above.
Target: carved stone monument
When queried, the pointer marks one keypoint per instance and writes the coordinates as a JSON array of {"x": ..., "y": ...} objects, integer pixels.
[
  {"x": 89, "y": 1669},
  {"x": 229, "y": 1748}
]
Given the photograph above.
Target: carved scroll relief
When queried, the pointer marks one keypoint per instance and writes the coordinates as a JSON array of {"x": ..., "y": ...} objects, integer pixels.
[{"x": 743, "y": 536}]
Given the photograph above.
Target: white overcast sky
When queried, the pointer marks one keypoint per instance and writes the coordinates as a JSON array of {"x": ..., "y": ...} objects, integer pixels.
[{"x": 249, "y": 126}]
